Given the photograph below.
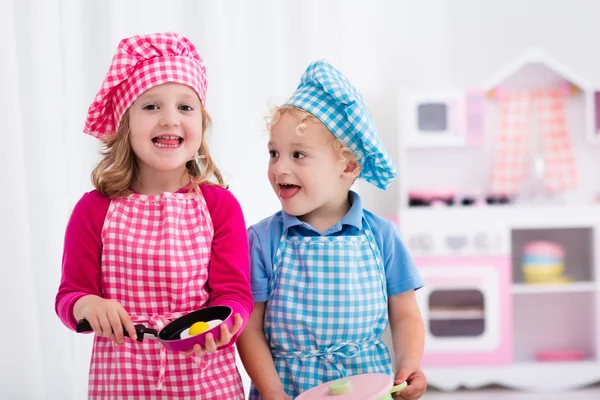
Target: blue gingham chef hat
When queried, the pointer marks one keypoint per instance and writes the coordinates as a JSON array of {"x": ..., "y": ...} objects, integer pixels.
[{"x": 327, "y": 94}]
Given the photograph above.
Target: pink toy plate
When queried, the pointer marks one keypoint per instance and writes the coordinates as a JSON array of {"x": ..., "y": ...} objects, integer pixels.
[
  {"x": 542, "y": 247},
  {"x": 356, "y": 387}
]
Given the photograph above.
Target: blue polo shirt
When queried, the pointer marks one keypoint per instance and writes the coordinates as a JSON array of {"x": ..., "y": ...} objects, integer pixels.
[{"x": 400, "y": 270}]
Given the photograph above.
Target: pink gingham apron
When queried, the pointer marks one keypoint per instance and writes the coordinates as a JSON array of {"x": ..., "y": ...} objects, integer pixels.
[
  {"x": 155, "y": 257},
  {"x": 522, "y": 115}
]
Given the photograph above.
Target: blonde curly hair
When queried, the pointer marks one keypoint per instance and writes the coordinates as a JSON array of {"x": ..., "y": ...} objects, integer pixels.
[{"x": 346, "y": 154}]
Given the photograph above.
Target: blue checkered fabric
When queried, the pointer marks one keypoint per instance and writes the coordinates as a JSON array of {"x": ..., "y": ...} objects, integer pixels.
[
  {"x": 325, "y": 93},
  {"x": 327, "y": 310}
]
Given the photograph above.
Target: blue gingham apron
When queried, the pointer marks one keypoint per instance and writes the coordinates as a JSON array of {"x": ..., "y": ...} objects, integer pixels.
[{"x": 327, "y": 310}]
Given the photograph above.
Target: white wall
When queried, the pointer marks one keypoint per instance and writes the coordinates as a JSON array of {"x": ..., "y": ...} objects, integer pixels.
[{"x": 485, "y": 35}]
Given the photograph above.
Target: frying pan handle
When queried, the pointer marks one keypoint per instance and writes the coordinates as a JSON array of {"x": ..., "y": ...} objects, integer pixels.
[{"x": 84, "y": 326}]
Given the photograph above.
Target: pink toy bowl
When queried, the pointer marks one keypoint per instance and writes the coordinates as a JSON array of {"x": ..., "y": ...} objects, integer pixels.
[
  {"x": 542, "y": 247},
  {"x": 356, "y": 387},
  {"x": 170, "y": 335}
]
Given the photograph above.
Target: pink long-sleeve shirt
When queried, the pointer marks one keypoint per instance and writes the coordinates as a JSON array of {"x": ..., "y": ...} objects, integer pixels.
[{"x": 229, "y": 268}]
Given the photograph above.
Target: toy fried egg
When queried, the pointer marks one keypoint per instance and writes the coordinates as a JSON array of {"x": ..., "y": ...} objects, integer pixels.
[{"x": 199, "y": 327}]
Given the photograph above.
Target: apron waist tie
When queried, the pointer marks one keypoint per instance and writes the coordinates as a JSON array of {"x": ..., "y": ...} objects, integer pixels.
[
  {"x": 332, "y": 353},
  {"x": 158, "y": 322}
]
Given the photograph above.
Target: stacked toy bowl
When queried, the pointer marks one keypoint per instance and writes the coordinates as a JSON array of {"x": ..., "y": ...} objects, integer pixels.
[{"x": 544, "y": 263}]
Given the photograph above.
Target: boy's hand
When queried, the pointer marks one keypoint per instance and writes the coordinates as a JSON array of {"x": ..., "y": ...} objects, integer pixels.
[
  {"x": 410, "y": 372},
  {"x": 275, "y": 396},
  {"x": 106, "y": 317},
  {"x": 210, "y": 346}
]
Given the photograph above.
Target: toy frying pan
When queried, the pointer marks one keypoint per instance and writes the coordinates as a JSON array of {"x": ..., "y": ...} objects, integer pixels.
[
  {"x": 356, "y": 387},
  {"x": 176, "y": 335}
]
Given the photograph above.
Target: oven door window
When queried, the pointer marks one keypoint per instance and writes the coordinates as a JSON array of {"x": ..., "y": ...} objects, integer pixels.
[{"x": 456, "y": 313}]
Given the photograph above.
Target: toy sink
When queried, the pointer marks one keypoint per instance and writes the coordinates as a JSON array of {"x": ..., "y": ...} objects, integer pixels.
[{"x": 356, "y": 387}]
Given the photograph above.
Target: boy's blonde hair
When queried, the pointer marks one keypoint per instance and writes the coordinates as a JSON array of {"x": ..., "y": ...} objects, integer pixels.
[
  {"x": 344, "y": 151},
  {"x": 118, "y": 170}
]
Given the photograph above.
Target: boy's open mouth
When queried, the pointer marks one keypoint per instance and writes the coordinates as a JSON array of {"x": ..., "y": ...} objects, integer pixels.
[{"x": 287, "y": 190}]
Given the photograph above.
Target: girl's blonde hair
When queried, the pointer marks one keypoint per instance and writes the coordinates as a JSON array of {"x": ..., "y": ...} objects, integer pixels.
[
  {"x": 117, "y": 172},
  {"x": 344, "y": 151}
]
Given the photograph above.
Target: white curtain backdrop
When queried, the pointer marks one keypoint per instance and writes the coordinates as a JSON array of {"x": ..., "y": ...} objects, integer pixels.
[{"x": 53, "y": 57}]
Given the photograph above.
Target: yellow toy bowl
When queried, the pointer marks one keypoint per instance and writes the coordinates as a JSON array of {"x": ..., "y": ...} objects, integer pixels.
[
  {"x": 551, "y": 280},
  {"x": 540, "y": 271}
]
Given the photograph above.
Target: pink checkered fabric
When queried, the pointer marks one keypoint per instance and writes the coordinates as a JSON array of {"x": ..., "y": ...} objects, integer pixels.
[
  {"x": 560, "y": 171},
  {"x": 522, "y": 115},
  {"x": 140, "y": 63},
  {"x": 155, "y": 257}
]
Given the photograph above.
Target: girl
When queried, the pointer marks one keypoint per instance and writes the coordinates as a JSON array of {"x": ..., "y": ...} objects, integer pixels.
[
  {"x": 160, "y": 236},
  {"x": 326, "y": 274}
]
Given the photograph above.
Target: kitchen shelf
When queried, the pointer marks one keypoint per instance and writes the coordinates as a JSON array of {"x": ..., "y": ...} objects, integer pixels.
[{"x": 575, "y": 287}]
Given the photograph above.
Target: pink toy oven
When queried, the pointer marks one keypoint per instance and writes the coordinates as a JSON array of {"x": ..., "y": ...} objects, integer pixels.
[{"x": 466, "y": 306}]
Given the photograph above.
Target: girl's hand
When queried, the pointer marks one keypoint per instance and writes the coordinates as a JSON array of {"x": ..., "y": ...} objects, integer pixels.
[
  {"x": 410, "y": 372},
  {"x": 106, "y": 317},
  {"x": 211, "y": 345}
]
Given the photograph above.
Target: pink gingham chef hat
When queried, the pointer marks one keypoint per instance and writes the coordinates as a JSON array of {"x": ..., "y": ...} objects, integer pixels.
[{"x": 140, "y": 63}]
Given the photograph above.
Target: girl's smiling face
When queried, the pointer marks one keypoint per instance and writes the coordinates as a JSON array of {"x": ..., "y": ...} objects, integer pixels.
[{"x": 165, "y": 128}]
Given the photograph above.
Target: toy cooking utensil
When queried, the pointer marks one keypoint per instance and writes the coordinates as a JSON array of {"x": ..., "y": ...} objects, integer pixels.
[
  {"x": 356, "y": 387},
  {"x": 182, "y": 333}
]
